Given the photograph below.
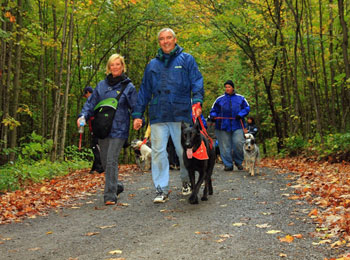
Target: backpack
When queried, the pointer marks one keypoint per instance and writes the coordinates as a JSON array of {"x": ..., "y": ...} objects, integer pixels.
[{"x": 104, "y": 112}]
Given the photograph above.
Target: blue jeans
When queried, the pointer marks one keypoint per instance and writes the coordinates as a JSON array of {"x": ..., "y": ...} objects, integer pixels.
[
  {"x": 231, "y": 146},
  {"x": 160, "y": 164},
  {"x": 110, "y": 150}
]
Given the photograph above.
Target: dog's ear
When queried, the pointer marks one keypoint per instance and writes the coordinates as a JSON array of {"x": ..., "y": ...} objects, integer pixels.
[
  {"x": 183, "y": 125},
  {"x": 252, "y": 141},
  {"x": 197, "y": 125}
]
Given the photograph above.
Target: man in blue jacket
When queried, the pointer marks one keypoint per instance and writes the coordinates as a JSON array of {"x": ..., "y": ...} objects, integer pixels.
[
  {"x": 229, "y": 111},
  {"x": 170, "y": 84}
]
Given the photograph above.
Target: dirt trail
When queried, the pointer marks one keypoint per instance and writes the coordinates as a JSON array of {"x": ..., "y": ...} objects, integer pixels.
[{"x": 240, "y": 221}]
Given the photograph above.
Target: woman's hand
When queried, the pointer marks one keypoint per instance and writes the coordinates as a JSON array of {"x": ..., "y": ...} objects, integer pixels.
[{"x": 137, "y": 123}]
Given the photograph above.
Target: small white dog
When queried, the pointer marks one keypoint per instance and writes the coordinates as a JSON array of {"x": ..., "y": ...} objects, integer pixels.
[
  {"x": 251, "y": 153},
  {"x": 143, "y": 154}
]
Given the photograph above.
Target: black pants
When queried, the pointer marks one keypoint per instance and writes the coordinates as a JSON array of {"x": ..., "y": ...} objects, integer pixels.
[
  {"x": 172, "y": 156},
  {"x": 97, "y": 165}
]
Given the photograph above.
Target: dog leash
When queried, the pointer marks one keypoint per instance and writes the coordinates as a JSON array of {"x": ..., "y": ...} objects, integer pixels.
[
  {"x": 243, "y": 128},
  {"x": 204, "y": 131}
]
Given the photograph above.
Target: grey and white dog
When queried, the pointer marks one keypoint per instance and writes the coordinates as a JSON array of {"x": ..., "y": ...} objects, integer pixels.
[{"x": 251, "y": 153}]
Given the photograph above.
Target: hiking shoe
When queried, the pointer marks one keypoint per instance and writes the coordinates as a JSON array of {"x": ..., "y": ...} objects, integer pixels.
[
  {"x": 186, "y": 189},
  {"x": 227, "y": 169},
  {"x": 239, "y": 166},
  {"x": 161, "y": 197}
]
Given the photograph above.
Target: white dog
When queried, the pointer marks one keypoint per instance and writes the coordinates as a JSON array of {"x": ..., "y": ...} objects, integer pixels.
[
  {"x": 143, "y": 154},
  {"x": 251, "y": 153}
]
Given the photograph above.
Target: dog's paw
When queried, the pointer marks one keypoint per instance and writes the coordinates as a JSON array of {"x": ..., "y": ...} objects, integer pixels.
[
  {"x": 204, "y": 198},
  {"x": 193, "y": 200}
]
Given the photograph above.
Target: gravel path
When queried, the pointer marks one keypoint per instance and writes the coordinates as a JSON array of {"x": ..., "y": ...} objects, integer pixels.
[{"x": 240, "y": 221}]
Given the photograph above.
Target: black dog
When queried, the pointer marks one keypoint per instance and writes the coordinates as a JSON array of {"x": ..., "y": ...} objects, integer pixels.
[{"x": 192, "y": 141}]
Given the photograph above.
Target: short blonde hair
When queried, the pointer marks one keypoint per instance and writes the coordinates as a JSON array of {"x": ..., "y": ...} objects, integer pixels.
[{"x": 113, "y": 58}]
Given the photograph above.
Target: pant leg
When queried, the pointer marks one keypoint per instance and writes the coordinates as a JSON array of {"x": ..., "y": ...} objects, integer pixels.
[
  {"x": 110, "y": 150},
  {"x": 238, "y": 141},
  {"x": 175, "y": 132},
  {"x": 97, "y": 165},
  {"x": 160, "y": 162},
  {"x": 225, "y": 146}
]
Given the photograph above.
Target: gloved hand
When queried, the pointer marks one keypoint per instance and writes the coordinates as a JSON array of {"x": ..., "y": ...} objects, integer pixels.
[{"x": 238, "y": 117}]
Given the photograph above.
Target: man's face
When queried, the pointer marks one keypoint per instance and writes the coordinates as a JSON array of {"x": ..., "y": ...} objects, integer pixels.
[
  {"x": 229, "y": 89},
  {"x": 166, "y": 41},
  {"x": 87, "y": 94}
]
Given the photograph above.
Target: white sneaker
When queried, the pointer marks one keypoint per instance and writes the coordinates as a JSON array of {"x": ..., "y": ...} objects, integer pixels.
[
  {"x": 160, "y": 198},
  {"x": 186, "y": 189}
]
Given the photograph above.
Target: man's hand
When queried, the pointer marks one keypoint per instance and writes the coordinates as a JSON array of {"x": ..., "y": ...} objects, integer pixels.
[
  {"x": 137, "y": 123},
  {"x": 196, "y": 110}
]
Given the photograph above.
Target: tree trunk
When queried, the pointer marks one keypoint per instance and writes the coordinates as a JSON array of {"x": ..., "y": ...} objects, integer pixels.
[
  {"x": 17, "y": 74},
  {"x": 345, "y": 47},
  {"x": 66, "y": 93},
  {"x": 334, "y": 93},
  {"x": 57, "y": 104},
  {"x": 3, "y": 88}
]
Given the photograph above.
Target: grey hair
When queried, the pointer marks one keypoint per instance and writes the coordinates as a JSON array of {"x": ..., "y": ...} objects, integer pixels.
[{"x": 166, "y": 30}]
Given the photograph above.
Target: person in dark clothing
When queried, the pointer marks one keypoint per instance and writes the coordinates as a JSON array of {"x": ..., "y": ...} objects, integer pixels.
[
  {"x": 96, "y": 165},
  {"x": 174, "y": 163},
  {"x": 251, "y": 127}
]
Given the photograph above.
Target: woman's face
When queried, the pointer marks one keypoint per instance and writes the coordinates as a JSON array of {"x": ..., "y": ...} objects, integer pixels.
[
  {"x": 116, "y": 67},
  {"x": 229, "y": 89}
]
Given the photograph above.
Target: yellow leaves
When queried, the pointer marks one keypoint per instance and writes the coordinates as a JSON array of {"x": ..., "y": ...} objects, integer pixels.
[
  {"x": 313, "y": 213},
  {"x": 238, "y": 224},
  {"x": 89, "y": 234},
  {"x": 49, "y": 233},
  {"x": 287, "y": 239},
  {"x": 262, "y": 225},
  {"x": 115, "y": 252},
  {"x": 273, "y": 231},
  {"x": 104, "y": 227}
]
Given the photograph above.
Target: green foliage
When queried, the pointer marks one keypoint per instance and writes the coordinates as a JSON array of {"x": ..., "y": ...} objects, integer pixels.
[
  {"x": 33, "y": 164},
  {"x": 38, "y": 148},
  {"x": 294, "y": 145}
]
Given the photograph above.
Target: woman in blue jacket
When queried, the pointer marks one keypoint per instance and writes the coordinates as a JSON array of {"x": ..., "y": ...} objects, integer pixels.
[
  {"x": 111, "y": 146},
  {"x": 229, "y": 111}
]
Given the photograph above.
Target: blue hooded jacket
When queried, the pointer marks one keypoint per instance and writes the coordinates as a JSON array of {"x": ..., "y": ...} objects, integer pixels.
[
  {"x": 168, "y": 87},
  {"x": 226, "y": 108},
  {"x": 127, "y": 102}
]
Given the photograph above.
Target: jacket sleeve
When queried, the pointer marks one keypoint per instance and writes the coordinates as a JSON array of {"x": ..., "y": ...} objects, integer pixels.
[
  {"x": 245, "y": 108},
  {"x": 196, "y": 80},
  {"x": 131, "y": 97},
  {"x": 215, "y": 110},
  {"x": 88, "y": 108},
  {"x": 144, "y": 95}
]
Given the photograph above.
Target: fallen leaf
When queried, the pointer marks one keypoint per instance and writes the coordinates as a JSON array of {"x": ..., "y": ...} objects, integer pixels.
[
  {"x": 104, "y": 227},
  {"x": 298, "y": 236},
  {"x": 89, "y": 234},
  {"x": 49, "y": 233},
  {"x": 114, "y": 252},
  {"x": 313, "y": 212},
  {"x": 273, "y": 231},
  {"x": 238, "y": 224},
  {"x": 225, "y": 236},
  {"x": 34, "y": 249},
  {"x": 123, "y": 204},
  {"x": 283, "y": 255},
  {"x": 262, "y": 225},
  {"x": 287, "y": 239},
  {"x": 220, "y": 240}
]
